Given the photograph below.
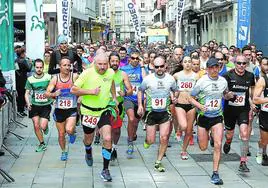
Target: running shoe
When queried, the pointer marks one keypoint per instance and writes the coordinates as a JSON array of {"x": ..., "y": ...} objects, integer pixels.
[
  {"x": 89, "y": 159},
  {"x": 264, "y": 160},
  {"x": 215, "y": 179},
  {"x": 105, "y": 175},
  {"x": 248, "y": 153},
  {"x": 46, "y": 130},
  {"x": 64, "y": 156},
  {"x": 243, "y": 167},
  {"x": 259, "y": 158},
  {"x": 114, "y": 155},
  {"x": 184, "y": 155},
  {"x": 97, "y": 140},
  {"x": 159, "y": 166},
  {"x": 130, "y": 150},
  {"x": 72, "y": 138},
  {"x": 145, "y": 145},
  {"x": 226, "y": 148},
  {"x": 41, "y": 147}
]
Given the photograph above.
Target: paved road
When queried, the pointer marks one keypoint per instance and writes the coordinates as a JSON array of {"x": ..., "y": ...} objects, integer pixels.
[{"x": 45, "y": 169}]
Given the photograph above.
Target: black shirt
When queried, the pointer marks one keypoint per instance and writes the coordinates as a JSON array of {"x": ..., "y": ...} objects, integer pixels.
[
  {"x": 53, "y": 67},
  {"x": 240, "y": 85}
]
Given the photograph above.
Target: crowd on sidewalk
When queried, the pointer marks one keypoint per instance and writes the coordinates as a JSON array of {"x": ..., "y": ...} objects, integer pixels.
[{"x": 168, "y": 88}]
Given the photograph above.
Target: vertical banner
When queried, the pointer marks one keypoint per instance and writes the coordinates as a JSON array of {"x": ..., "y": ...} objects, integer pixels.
[
  {"x": 64, "y": 18},
  {"x": 180, "y": 7},
  {"x": 7, "y": 42},
  {"x": 243, "y": 22},
  {"x": 35, "y": 29},
  {"x": 135, "y": 17}
]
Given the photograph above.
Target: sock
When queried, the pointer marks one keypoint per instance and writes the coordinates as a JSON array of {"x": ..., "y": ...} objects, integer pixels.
[
  {"x": 130, "y": 142},
  {"x": 88, "y": 149},
  {"x": 114, "y": 146},
  {"x": 244, "y": 149},
  {"x": 264, "y": 150},
  {"x": 106, "y": 154},
  {"x": 215, "y": 172}
]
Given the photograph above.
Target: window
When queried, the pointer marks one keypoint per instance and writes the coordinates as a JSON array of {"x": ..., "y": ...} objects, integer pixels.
[
  {"x": 142, "y": 29},
  {"x": 103, "y": 9},
  {"x": 117, "y": 30},
  {"x": 225, "y": 17},
  {"x": 219, "y": 18},
  {"x": 118, "y": 18},
  {"x": 142, "y": 5},
  {"x": 142, "y": 18}
]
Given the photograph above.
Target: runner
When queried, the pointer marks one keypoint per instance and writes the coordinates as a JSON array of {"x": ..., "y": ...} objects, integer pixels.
[
  {"x": 136, "y": 73},
  {"x": 261, "y": 98},
  {"x": 209, "y": 91},
  {"x": 95, "y": 85},
  {"x": 38, "y": 105},
  {"x": 123, "y": 88},
  {"x": 185, "y": 112},
  {"x": 242, "y": 83},
  {"x": 157, "y": 87},
  {"x": 66, "y": 104}
]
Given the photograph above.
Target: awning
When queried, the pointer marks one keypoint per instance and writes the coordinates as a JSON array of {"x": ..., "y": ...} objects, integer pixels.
[{"x": 157, "y": 32}]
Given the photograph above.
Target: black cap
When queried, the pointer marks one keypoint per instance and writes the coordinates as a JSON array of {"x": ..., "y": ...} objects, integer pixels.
[{"x": 212, "y": 62}]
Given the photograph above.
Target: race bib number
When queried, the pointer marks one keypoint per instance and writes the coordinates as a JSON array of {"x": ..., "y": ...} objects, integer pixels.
[
  {"x": 240, "y": 99},
  {"x": 264, "y": 107},
  {"x": 135, "y": 88},
  {"x": 90, "y": 121},
  {"x": 213, "y": 104},
  {"x": 159, "y": 103},
  {"x": 65, "y": 103},
  {"x": 186, "y": 85},
  {"x": 117, "y": 89},
  {"x": 40, "y": 97}
]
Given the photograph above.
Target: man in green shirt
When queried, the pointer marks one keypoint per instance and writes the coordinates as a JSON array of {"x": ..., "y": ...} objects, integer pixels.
[
  {"x": 95, "y": 86},
  {"x": 38, "y": 104}
]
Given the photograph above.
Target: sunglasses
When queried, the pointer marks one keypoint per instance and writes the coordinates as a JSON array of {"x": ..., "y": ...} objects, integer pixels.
[
  {"x": 241, "y": 63},
  {"x": 161, "y": 66},
  {"x": 259, "y": 54},
  {"x": 220, "y": 59},
  {"x": 135, "y": 58}
]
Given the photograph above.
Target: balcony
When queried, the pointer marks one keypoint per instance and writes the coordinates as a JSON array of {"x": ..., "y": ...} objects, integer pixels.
[{"x": 208, "y": 4}]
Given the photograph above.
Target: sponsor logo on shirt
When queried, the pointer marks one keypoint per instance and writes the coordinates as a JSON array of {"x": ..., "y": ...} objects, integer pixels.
[{"x": 240, "y": 87}]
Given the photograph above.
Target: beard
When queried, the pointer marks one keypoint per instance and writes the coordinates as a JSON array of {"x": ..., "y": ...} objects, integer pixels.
[{"x": 114, "y": 67}]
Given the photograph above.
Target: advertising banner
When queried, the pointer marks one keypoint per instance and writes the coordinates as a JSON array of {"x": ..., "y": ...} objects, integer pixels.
[
  {"x": 135, "y": 17},
  {"x": 243, "y": 22},
  {"x": 64, "y": 18},
  {"x": 35, "y": 29}
]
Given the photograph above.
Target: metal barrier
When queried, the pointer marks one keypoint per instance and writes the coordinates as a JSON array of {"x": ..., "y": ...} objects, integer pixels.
[{"x": 8, "y": 117}]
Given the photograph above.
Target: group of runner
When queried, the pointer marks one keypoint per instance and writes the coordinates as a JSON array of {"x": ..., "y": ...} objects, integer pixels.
[{"x": 216, "y": 90}]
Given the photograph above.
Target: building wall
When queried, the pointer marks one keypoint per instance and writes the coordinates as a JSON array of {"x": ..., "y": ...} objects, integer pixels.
[{"x": 80, "y": 17}]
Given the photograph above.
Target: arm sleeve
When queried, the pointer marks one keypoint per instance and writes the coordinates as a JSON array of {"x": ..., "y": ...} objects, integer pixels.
[
  {"x": 28, "y": 85},
  {"x": 143, "y": 85},
  {"x": 79, "y": 62},
  {"x": 197, "y": 88},
  {"x": 52, "y": 65},
  {"x": 80, "y": 81}
]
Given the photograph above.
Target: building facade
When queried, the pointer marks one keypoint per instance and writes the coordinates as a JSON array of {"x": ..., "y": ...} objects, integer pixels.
[
  {"x": 81, "y": 11},
  {"x": 120, "y": 19}
]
